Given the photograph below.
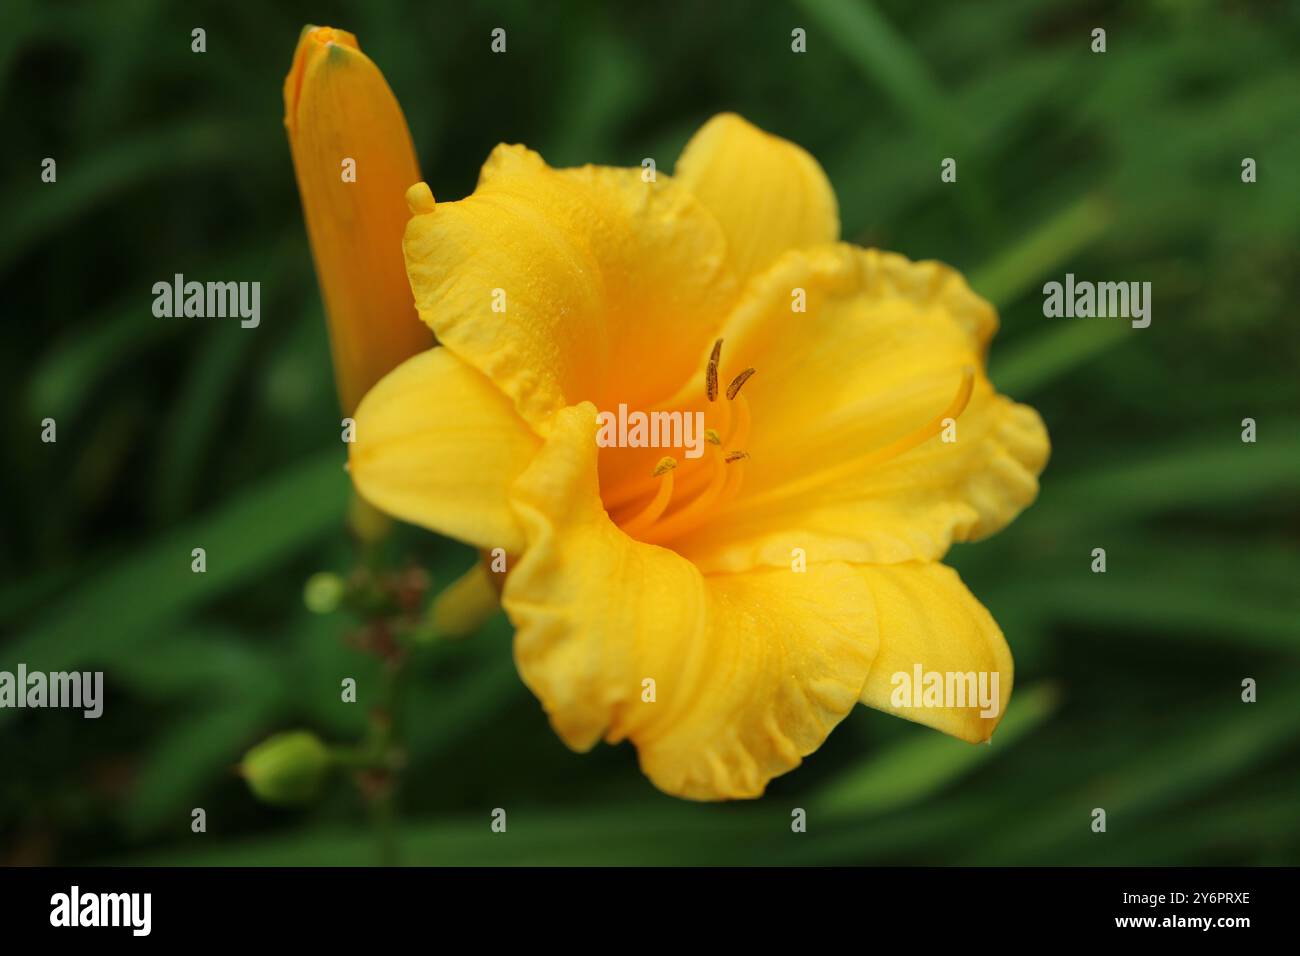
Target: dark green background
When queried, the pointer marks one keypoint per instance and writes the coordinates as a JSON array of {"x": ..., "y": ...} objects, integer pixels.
[{"x": 181, "y": 433}]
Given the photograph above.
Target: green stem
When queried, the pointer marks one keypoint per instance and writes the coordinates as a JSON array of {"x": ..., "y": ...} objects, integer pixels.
[
  {"x": 384, "y": 814},
  {"x": 388, "y": 742}
]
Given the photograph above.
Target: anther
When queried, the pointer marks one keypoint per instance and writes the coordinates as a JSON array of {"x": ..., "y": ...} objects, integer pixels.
[
  {"x": 711, "y": 373},
  {"x": 666, "y": 464},
  {"x": 712, "y": 437},
  {"x": 735, "y": 456},
  {"x": 734, "y": 388}
]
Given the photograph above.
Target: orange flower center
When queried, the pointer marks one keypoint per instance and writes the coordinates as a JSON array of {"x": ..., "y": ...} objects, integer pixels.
[
  {"x": 677, "y": 496},
  {"x": 662, "y": 503}
]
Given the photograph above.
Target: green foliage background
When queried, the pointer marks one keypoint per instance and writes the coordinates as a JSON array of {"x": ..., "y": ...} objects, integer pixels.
[{"x": 175, "y": 433}]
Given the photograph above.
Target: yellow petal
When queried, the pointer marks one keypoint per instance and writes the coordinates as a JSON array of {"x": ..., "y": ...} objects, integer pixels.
[
  {"x": 781, "y": 656},
  {"x": 437, "y": 445},
  {"x": 929, "y": 620},
  {"x": 558, "y": 284},
  {"x": 769, "y": 194},
  {"x": 881, "y": 352},
  {"x": 750, "y": 672},
  {"x": 339, "y": 110}
]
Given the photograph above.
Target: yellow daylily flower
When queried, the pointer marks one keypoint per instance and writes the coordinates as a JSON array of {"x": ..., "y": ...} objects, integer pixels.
[
  {"x": 353, "y": 158},
  {"x": 722, "y": 612}
]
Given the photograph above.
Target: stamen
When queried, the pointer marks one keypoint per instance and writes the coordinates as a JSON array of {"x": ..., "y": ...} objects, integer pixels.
[
  {"x": 734, "y": 478},
  {"x": 701, "y": 489},
  {"x": 647, "y": 516},
  {"x": 739, "y": 433},
  {"x": 688, "y": 517},
  {"x": 711, "y": 372},
  {"x": 630, "y": 491},
  {"x": 734, "y": 388},
  {"x": 733, "y": 431}
]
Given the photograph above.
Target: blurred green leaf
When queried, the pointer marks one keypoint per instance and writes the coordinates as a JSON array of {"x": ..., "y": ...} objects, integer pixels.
[
  {"x": 185, "y": 759},
  {"x": 63, "y": 380},
  {"x": 117, "y": 609},
  {"x": 1026, "y": 367},
  {"x": 859, "y": 30},
  {"x": 1221, "y": 472},
  {"x": 927, "y": 761},
  {"x": 1220, "y": 740},
  {"x": 1046, "y": 248},
  {"x": 85, "y": 181}
]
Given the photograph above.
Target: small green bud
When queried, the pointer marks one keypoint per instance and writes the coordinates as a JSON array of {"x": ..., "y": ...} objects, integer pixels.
[
  {"x": 288, "y": 768},
  {"x": 323, "y": 592}
]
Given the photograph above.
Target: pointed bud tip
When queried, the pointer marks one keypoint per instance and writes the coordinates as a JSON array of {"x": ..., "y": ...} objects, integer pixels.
[
  {"x": 313, "y": 43},
  {"x": 327, "y": 36}
]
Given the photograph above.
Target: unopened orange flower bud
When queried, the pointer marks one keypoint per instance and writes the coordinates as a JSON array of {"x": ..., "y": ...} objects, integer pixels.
[{"x": 354, "y": 160}]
